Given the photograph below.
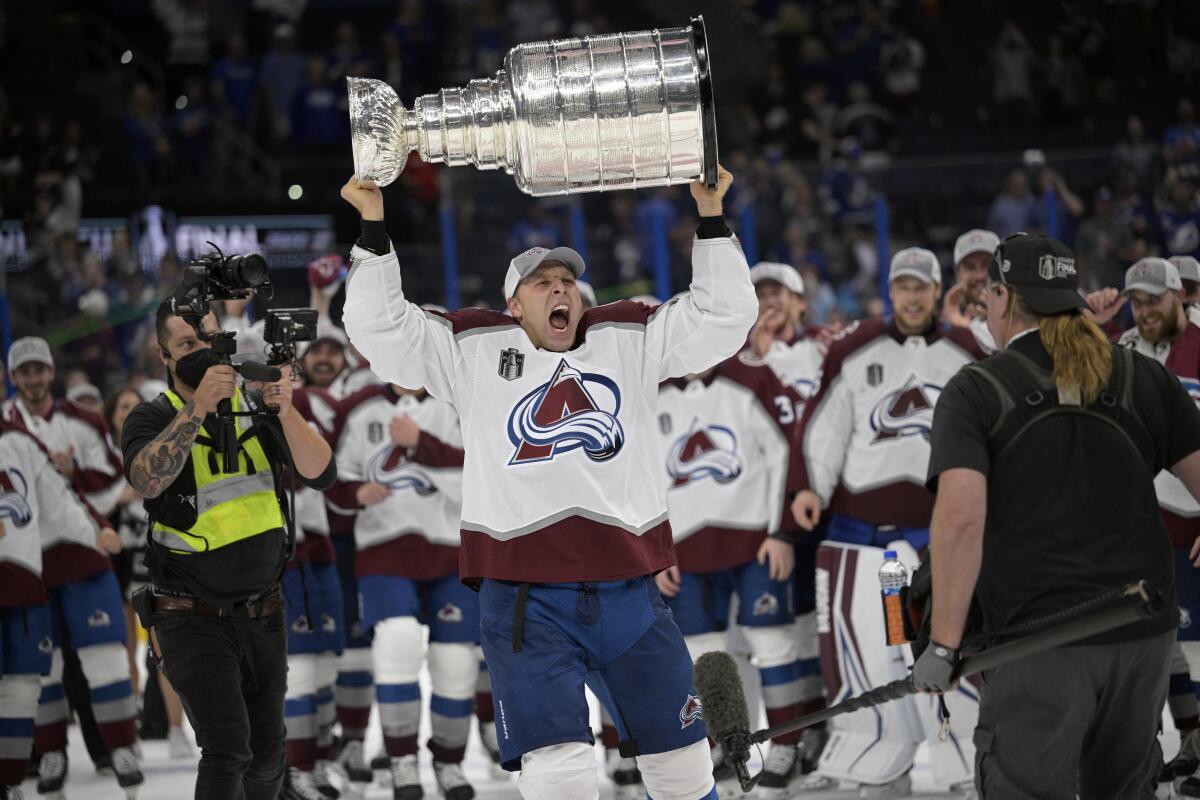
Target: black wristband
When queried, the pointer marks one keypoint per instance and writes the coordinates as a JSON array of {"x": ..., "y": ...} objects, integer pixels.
[
  {"x": 783, "y": 536},
  {"x": 374, "y": 237},
  {"x": 713, "y": 228}
]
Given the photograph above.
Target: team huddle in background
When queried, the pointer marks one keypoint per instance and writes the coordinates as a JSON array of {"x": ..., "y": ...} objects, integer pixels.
[{"x": 789, "y": 469}]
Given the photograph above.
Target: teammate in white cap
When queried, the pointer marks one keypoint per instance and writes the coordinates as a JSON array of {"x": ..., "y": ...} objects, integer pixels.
[
  {"x": 862, "y": 460},
  {"x": 87, "y": 600},
  {"x": 963, "y": 302},
  {"x": 1189, "y": 273},
  {"x": 1155, "y": 292}
]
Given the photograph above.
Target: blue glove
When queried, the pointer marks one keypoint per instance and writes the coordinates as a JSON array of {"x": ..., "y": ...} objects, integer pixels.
[{"x": 934, "y": 670}]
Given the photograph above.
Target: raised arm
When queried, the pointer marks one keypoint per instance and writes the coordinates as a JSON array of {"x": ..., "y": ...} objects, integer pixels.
[
  {"x": 708, "y": 323},
  {"x": 405, "y": 344}
]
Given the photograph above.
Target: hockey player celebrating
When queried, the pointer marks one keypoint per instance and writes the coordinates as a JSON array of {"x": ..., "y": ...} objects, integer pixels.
[
  {"x": 1162, "y": 331},
  {"x": 400, "y": 464},
  {"x": 85, "y": 597},
  {"x": 33, "y": 495},
  {"x": 725, "y": 433},
  {"x": 863, "y": 456},
  {"x": 778, "y": 337},
  {"x": 564, "y": 516}
]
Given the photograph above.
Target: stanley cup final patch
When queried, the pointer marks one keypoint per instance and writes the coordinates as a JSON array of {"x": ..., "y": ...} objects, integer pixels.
[{"x": 512, "y": 364}]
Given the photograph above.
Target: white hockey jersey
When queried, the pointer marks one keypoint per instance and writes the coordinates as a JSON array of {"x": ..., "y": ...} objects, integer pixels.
[
  {"x": 865, "y": 436},
  {"x": 561, "y": 479},
  {"x": 69, "y": 551},
  {"x": 1182, "y": 357},
  {"x": 415, "y": 532},
  {"x": 798, "y": 366},
  {"x": 34, "y": 496},
  {"x": 725, "y": 438},
  {"x": 319, "y": 409},
  {"x": 99, "y": 474}
]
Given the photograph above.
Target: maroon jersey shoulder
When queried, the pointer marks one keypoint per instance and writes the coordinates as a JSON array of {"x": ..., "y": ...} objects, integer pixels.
[
  {"x": 85, "y": 415},
  {"x": 965, "y": 340},
  {"x": 622, "y": 311},
  {"x": 855, "y": 337},
  {"x": 466, "y": 319}
]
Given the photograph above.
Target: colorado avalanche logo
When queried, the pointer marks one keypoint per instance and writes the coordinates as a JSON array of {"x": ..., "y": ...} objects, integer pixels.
[
  {"x": 705, "y": 451},
  {"x": 908, "y": 411},
  {"x": 14, "y": 494},
  {"x": 391, "y": 467},
  {"x": 691, "y": 712},
  {"x": 570, "y": 411}
]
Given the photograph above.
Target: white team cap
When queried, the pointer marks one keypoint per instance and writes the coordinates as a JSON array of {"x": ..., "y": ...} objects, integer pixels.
[
  {"x": 586, "y": 293},
  {"x": 151, "y": 388},
  {"x": 1152, "y": 275},
  {"x": 1189, "y": 268},
  {"x": 27, "y": 349},
  {"x": 917, "y": 262},
  {"x": 783, "y": 274},
  {"x": 975, "y": 241},
  {"x": 523, "y": 265},
  {"x": 85, "y": 391}
]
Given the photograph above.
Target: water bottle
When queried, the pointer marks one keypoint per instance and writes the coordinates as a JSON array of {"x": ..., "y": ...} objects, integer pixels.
[{"x": 893, "y": 577}]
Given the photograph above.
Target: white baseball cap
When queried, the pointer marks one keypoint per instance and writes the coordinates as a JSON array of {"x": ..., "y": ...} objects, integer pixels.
[
  {"x": 523, "y": 265},
  {"x": 974, "y": 241},
  {"x": 586, "y": 292},
  {"x": 1152, "y": 275},
  {"x": 81, "y": 390},
  {"x": 783, "y": 274},
  {"x": 917, "y": 262},
  {"x": 1189, "y": 268},
  {"x": 29, "y": 348}
]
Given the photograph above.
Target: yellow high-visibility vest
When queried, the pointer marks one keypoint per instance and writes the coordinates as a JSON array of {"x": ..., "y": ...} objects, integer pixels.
[{"x": 230, "y": 507}]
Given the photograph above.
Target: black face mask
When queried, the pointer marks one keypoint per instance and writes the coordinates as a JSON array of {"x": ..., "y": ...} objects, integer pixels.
[{"x": 191, "y": 368}]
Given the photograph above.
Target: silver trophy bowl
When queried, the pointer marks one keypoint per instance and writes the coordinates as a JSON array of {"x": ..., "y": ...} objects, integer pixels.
[{"x": 592, "y": 114}]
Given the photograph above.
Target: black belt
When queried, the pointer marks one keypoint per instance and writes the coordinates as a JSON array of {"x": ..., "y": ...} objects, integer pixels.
[{"x": 263, "y": 605}]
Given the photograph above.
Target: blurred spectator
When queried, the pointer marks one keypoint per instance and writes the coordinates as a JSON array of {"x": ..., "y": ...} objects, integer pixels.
[
  {"x": 845, "y": 191},
  {"x": 488, "y": 38},
  {"x": 393, "y": 62},
  {"x": 147, "y": 142},
  {"x": 318, "y": 121},
  {"x": 901, "y": 61},
  {"x": 1181, "y": 141},
  {"x": 1179, "y": 218},
  {"x": 187, "y": 26},
  {"x": 86, "y": 395},
  {"x": 192, "y": 131},
  {"x": 1137, "y": 153},
  {"x": 1015, "y": 209},
  {"x": 533, "y": 231},
  {"x": 122, "y": 261},
  {"x": 233, "y": 82},
  {"x": 282, "y": 77},
  {"x": 776, "y": 112},
  {"x": 1103, "y": 247},
  {"x": 1064, "y": 93},
  {"x": 532, "y": 21},
  {"x": 346, "y": 53},
  {"x": 857, "y": 42},
  {"x": 420, "y": 47},
  {"x": 867, "y": 122},
  {"x": 821, "y": 298},
  {"x": 1183, "y": 57},
  {"x": 1013, "y": 63},
  {"x": 88, "y": 289},
  {"x": 814, "y": 124}
]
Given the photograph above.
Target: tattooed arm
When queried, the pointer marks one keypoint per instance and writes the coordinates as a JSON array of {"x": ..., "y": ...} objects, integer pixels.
[{"x": 159, "y": 462}]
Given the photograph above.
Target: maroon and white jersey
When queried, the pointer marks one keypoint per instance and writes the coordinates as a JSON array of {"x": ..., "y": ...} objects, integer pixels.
[
  {"x": 797, "y": 365},
  {"x": 725, "y": 437},
  {"x": 319, "y": 409},
  {"x": 865, "y": 436},
  {"x": 99, "y": 474},
  {"x": 415, "y": 532},
  {"x": 1182, "y": 357},
  {"x": 69, "y": 551},
  {"x": 34, "y": 496},
  {"x": 562, "y": 477}
]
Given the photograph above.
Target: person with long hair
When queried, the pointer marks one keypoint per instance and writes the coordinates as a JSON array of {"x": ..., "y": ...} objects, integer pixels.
[
  {"x": 131, "y": 523},
  {"x": 1043, "y": 458}
]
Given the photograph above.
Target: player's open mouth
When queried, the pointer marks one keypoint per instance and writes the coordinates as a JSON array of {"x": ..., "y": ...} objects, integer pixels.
[{"x": 560, "y": 317}]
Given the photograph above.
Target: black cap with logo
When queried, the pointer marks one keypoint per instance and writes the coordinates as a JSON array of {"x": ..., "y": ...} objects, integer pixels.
[{"x": 1041, "y": 269}]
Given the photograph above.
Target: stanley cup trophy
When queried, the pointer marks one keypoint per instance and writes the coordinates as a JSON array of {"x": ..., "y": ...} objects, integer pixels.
[{"x": 618, "y": 111}]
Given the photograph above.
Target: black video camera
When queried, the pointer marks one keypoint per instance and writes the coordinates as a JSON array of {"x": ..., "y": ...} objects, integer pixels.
[
  {"x": 219, "y": 277},
  {"x": 283, "y": 328}
]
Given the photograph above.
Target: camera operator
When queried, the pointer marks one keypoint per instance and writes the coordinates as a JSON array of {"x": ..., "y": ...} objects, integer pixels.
[{"x": 217, "y": 551}]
